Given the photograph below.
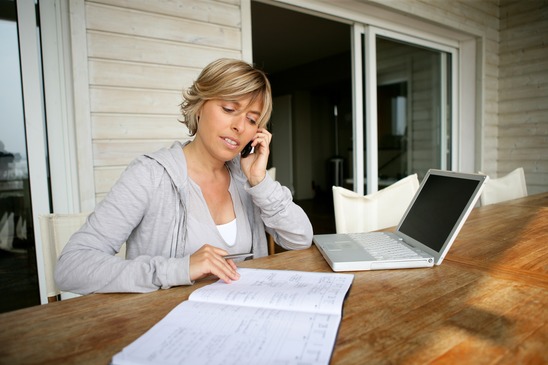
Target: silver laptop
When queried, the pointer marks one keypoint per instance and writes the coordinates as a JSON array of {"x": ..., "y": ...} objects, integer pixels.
[{"x": 424, "y": 235}]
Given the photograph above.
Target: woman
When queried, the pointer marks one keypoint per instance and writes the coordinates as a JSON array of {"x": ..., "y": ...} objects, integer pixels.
[{"x": 181, "y": 209}]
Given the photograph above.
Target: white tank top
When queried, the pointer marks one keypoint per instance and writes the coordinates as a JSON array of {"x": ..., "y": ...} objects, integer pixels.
[{"x": 228, "y": 232}]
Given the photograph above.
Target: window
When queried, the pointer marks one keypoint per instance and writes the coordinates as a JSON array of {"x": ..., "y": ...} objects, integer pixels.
[
  {"x": 412, "y": 123},
  {"x": 23, "y": 172},
  {"x": 407, "y": 97}
]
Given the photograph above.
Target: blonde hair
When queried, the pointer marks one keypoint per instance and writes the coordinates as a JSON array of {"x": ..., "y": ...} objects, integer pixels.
[{"x": 226, "y": 79}]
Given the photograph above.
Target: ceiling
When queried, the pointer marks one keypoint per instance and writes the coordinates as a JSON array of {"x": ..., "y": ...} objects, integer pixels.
[{"x": 283, "y": 39}]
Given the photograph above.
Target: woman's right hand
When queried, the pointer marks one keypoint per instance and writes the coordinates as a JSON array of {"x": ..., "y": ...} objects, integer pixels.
[
  {"x": 208, "y": 260},
  {"x": 254, "y": 165}
]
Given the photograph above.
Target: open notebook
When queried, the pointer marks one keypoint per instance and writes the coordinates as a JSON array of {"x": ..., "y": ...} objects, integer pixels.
[{"x": 424, "y": 235}]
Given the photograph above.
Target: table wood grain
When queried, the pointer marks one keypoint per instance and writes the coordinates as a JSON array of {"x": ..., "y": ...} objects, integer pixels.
[{"x": 485, "y": 304}]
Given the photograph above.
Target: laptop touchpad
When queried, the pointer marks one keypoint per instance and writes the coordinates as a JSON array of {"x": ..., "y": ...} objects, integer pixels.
[{"x": 341, "y": 245}]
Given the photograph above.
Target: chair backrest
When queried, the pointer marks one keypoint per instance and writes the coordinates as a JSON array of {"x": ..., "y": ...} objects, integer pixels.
[
  {"x": 7, "y": 231},
  {"x": 365, "y": 213},
  {"x": 55, "y": 231},
  {"x": 510, "y": 186}
]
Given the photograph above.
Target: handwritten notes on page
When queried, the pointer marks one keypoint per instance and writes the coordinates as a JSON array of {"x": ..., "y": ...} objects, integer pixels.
[{"x": 266, "y": 317}]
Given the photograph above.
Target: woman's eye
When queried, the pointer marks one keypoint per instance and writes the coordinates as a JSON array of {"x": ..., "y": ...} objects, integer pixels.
[
  {"x": 253, "y": 121},
  {"x": 227, "y": 109}
]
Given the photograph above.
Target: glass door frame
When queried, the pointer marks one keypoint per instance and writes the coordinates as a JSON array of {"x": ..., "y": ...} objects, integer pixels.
[
  {"x": 34, "y": 116},
  {"x": 364, "y": 68}
]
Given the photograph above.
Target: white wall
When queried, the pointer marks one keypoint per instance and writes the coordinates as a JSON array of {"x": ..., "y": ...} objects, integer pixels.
[
  {"x": 135, "y": 58},
  {"x": 131, "y": 59},
  {"x": 523, "y": 92},
  {"x": 513, "y": 85}
]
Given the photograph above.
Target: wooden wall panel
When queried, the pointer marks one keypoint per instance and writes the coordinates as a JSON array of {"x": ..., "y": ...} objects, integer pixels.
[
  {"x": 135, "y": 126},
  {"x": 104, "y": 176},
  {"x": 124, "y": 21},
  {"x": 141, "y": 55},
  {"x": 140, "y": 75},
  {"x": 480, "y": 19},
  {"x": 207, "y": 11},
  {"x": 148, "y": 50},
  {"x": 523, "y": 80},
  {"x": 140, "y": 101},
  {"x": 514, "y": 81},
  {"x": 122, "y": 152}
]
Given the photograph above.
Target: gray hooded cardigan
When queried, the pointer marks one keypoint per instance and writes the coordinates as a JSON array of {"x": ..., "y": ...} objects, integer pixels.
[{"x": 147, "y": 208}]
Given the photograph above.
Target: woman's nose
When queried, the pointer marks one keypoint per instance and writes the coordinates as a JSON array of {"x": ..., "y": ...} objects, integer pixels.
[{"x": 238, "y": 124}]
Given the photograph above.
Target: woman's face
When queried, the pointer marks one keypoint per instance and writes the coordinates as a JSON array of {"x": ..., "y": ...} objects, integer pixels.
[{"x": 226, "y": 126}]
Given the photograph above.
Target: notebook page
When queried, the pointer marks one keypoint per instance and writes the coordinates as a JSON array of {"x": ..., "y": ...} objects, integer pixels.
[
  {"x": 208, "y": 333},
  {"x": 280, "y": 289}
]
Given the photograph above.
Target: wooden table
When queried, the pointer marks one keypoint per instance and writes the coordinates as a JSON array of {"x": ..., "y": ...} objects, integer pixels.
[{"x": 485, "y": 304}]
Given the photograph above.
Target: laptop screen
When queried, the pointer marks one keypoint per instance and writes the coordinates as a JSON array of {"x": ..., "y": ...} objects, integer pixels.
[{"x": 437, "y": 209}]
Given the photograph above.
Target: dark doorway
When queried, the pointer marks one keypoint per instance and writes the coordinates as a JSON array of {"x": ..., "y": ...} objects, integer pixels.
[{"x": 308, "y": 59}]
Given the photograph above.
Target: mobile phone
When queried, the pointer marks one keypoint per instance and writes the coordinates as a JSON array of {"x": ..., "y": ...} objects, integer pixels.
[{"x": 247, "y": 150}]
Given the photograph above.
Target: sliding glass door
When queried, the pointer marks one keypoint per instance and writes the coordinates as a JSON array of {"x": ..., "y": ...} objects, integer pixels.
[
  {"x": 23, "y": 170},
  {"x": 407, "y": 96},
  {"x": 412, "y": 102}
]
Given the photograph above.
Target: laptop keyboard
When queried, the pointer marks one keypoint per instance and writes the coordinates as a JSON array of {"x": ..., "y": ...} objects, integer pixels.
[{"x": 382, "y": 247}]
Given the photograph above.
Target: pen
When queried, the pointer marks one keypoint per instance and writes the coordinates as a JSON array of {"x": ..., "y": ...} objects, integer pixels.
[{"x": 238, "y": 256}]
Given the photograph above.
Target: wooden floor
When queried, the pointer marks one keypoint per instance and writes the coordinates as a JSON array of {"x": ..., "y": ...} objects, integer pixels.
[{"x": 320, "y": 212}]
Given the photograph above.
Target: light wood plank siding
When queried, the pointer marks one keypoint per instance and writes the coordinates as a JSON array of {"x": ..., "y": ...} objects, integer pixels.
[
  {"x": 515, "y": 79},
  {"x": 523, "y": 96},
  {"x": 480, "y": 18},
  {"x": 132, "y": 58},
  {"x": 141, "y": 55}
]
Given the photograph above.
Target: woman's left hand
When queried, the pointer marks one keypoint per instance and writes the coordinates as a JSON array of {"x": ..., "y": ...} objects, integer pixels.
[{"x": 254, "y": 165}]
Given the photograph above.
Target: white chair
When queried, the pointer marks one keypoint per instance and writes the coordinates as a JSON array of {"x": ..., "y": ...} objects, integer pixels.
[
  {"x": 55, "y": 231},
  {"x": 510, "y": 186},
  {"x": 7, "y": 231},
  {"x": 365, "y": 213}
]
